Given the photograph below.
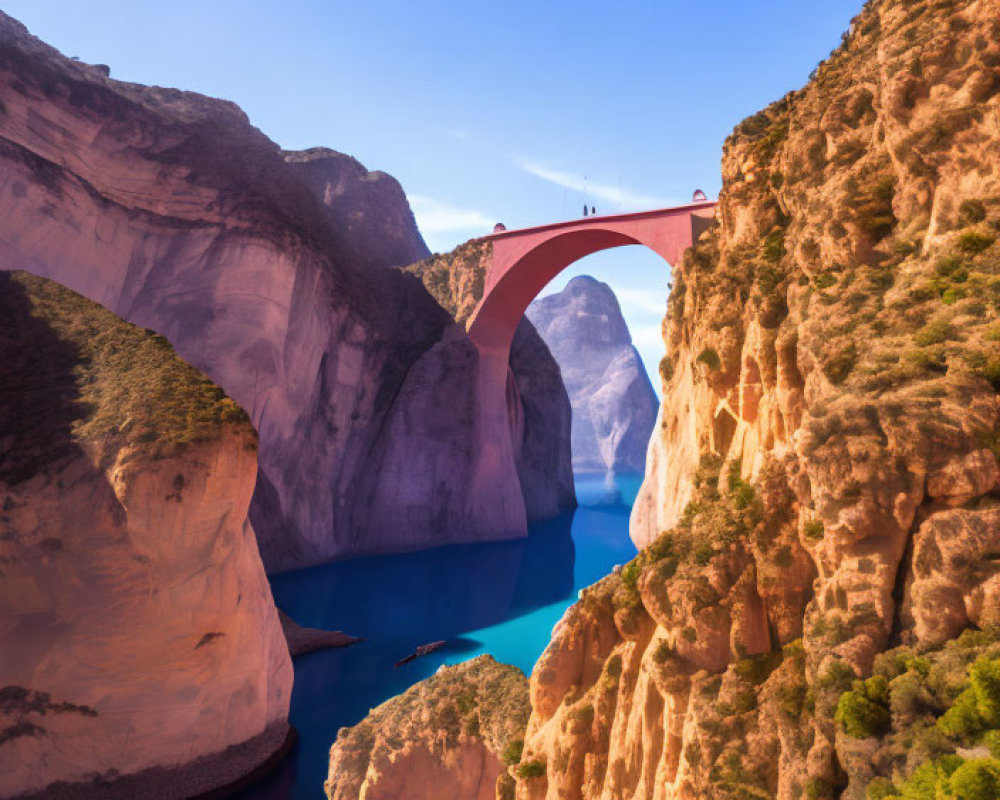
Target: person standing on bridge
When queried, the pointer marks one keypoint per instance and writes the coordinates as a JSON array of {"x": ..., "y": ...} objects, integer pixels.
[
  {"x": 593, "y": 211},
  {"x": 584, "y": 209}
]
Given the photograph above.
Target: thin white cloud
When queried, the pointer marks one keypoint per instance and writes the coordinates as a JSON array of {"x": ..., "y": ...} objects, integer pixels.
[
  {"x": 647, "y": 337},
  {"x": 642, "y": 300},
  {"x": 457, "y": 133},
  {"x": 603, "y": 191},
  {"x": 437, "y": 216}
]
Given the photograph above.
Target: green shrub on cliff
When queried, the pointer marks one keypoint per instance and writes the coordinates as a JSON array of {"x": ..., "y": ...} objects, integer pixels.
[
  {"x": 710, "y": 358},
  {"x": 946, "y": 778},
  {"x": 977, "y": 709},
  {"x": 863, "y": 712},
  {"x": 813, "y": 529},
  {"x": 974, "y": 242},
  {"x": 663, "y": 549},
  {"x": 773, "y": 247},
  {"x": 531, "y": 769},
  {"x": 872, "y": 202},
  {"x": 839, "y": 365},
  {"x": 666, "y": 369},
  {"x": 936, "y": 332},
  {"x": 512, "y": 752}
]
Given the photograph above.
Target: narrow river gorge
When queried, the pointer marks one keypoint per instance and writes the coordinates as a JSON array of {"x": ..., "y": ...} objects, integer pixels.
[{"x": 499, "y": 598}]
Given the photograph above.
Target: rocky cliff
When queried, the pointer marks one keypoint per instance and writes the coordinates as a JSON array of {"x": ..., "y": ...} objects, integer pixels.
[
  {"x": 537, "y": 399},
  {"x": 814, "y": 613},
  {"x": 451, "y": 735},
  {"x": 142, "y": 653},
  {"x": 264, "y": 269},
  {"x": 614, "y": 405},
  {"x": 367, "y": 210}
]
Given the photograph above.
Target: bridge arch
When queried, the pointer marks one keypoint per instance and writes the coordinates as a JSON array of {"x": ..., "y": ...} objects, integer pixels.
[
  {"x": 525, "y": 261},
  {"x": 522, "y": 264}
]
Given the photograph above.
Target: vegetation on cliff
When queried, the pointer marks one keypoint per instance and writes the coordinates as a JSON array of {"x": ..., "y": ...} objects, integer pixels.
[
  {"x": 95, "y": 380},
  {"x": 794, "y": 624},
  {"x": 479, "y": 703},
  {"x": 456, "y": 279}
]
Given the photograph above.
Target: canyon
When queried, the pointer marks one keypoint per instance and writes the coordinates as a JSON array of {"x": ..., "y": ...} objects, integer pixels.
[
  {"x": 815, "y": 609},
  {"x": 272, "y": 271},
  {"x": 614, "y": 405}
]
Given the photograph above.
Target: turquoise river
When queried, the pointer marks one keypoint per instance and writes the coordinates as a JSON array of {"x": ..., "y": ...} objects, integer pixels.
[{"x": 499, "y": 598}]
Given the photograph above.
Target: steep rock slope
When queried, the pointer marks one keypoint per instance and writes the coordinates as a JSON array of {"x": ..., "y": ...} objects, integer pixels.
[
  {"x": 447, "y": 736},
  {"x": 614, "y": 405},
  {"x": 142, "y": 653},
  {"x": 170, "y": 209},
  {"x": 537, "y": 400},
  {"x": 368, "y": 210},
  {"x": 819, "y": 517}
]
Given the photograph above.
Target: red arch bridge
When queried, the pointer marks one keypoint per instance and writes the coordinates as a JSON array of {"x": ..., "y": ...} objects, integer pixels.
[{"x": 523, "y": 263}]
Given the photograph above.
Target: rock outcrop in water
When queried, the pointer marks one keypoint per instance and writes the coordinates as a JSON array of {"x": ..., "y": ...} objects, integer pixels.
[
  {"x": 266, "y": 269},
  {"x": 302, "y": 640},
  {"x": 141, "y": 651},
  {"x": 451, "y": 736},
  {"x": 815, "y": 610},
  {"x": 614, "y": 405}
]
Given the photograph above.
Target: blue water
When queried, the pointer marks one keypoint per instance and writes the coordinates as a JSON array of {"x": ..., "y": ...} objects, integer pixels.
[{"x": 498, "y": 598}]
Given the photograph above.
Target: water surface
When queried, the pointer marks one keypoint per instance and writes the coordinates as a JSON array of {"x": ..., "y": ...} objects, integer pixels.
[{"x": 499, "y": 598}]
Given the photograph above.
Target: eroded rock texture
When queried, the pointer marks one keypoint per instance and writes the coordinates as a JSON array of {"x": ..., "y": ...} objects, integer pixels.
[
  {"x": 267, "y": 270},
  {"x": 822, "y": 485},
  {"x": 614, "y": 405},
  {"x": 142, "y": 653},
  {"x": 447, "y": 736}
]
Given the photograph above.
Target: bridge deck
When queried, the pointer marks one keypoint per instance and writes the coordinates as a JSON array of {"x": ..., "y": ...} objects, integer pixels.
[{"x": 631, "y": 216}]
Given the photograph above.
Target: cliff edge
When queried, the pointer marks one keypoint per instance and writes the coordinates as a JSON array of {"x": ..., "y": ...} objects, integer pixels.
[
  {"x": 450, "y": 735},
  {"x": 142, "y": 652}
]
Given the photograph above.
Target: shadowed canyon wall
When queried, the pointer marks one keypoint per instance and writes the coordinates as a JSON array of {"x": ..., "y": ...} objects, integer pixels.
[
  {"x": 142, "y": 652},
  {"x": 537, "y": 401},
  {"x": 268, "y": 270}
]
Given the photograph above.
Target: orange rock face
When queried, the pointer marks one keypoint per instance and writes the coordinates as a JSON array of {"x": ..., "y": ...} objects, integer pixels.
[
  {"x": 447, "y": 736},
  {"x": 822, "y": 484},
  {"x": 141, "y": 647}
]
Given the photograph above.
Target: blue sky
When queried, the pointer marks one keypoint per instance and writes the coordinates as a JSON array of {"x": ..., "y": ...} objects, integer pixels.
[{"x": 485, "y": 112}]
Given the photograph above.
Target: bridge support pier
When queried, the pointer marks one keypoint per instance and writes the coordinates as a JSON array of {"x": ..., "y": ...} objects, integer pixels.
[{"x": 495, "y": 484}]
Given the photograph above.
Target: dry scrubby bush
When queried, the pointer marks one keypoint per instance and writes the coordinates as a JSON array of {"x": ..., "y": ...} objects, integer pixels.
[{"x": 119, "y": 385}]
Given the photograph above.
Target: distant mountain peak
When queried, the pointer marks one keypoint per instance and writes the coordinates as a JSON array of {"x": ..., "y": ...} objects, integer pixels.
[{"x": 614, "y": 405}]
